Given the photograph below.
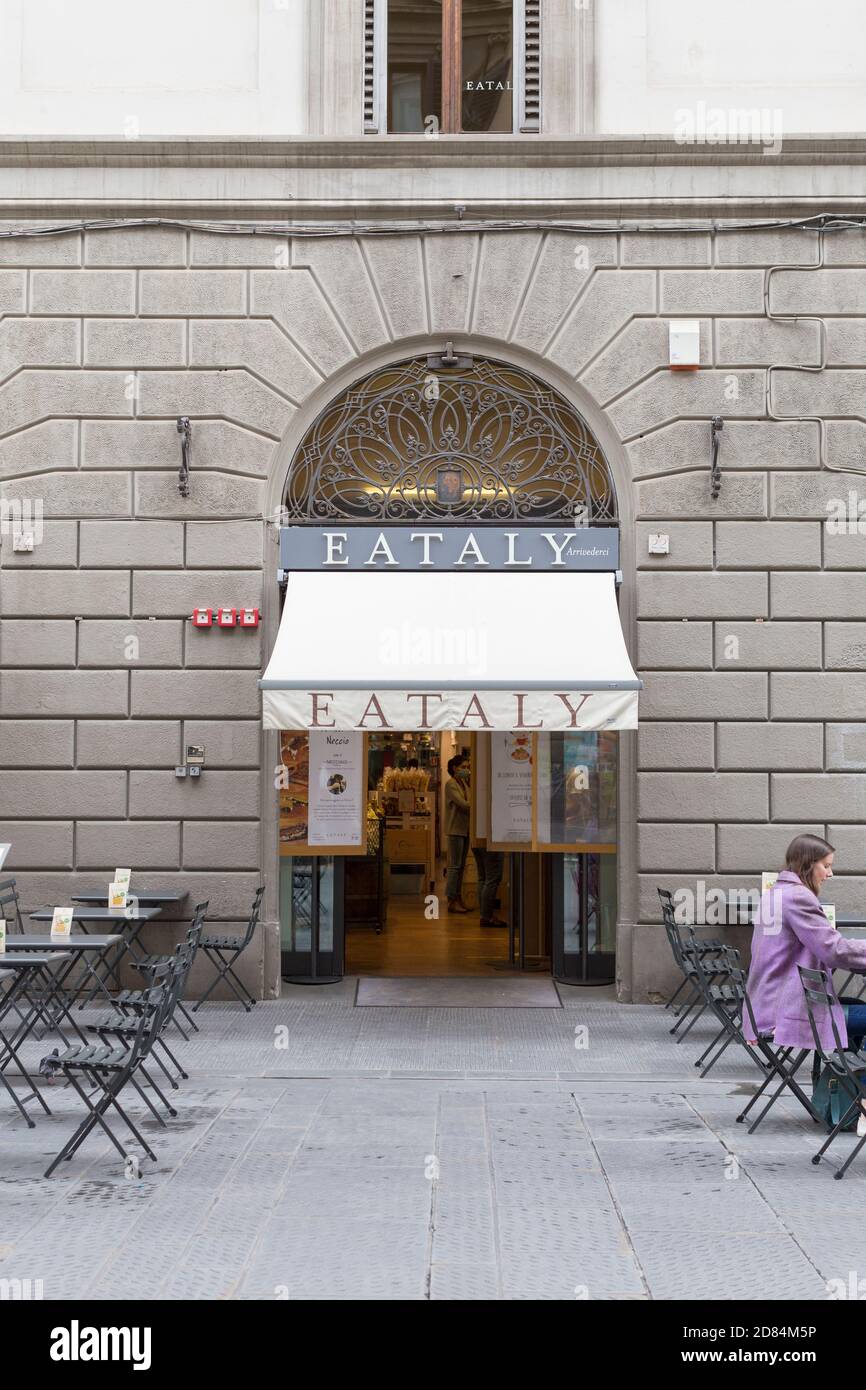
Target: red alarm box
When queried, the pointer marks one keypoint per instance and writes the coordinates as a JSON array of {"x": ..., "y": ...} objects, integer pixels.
[
  {"x": 249, "y": 617},
  {"x": 202, "y": 617},
  {"x": 227, "y": 617}
]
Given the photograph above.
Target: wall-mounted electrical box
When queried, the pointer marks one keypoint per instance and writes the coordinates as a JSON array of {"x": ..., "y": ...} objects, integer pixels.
[{"x": 685, "y": 344}]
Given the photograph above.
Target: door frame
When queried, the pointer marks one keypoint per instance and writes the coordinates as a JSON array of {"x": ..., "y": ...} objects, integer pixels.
[{"x": 617, "y": 462}]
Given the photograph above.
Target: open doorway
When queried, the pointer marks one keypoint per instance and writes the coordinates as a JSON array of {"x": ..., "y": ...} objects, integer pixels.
[
  {"x": 525, "y": 882},
  {"x": 431, "y": 897}
]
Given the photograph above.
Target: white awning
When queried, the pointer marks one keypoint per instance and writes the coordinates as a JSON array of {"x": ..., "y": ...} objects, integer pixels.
[{"x": 478, "y": 650}]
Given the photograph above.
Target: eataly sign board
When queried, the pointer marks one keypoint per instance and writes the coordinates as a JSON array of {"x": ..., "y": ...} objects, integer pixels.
[{"x": 449, "y": 547}]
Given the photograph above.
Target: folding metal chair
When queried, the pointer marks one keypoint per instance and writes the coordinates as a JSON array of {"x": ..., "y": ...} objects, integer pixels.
[
  {"x": 711, "y": 954},
  {"x": 146, "y": 963},
  {"x": 849, "y": 1068},
  {"x": 10, "y": 906},
  {"x": 11, "y": 989},
  {"x": 109, "y": 1068},
  {"x": 124, "y": 1026},
  {"x": 724, "y": 993},
  {"x": 41, "y": 983},
  {"x": 669, "y": 919},
  {"x": 10, "y": 911},
  {"x": 783, "y": 1064},
  {"x": 214, "y": 948}
]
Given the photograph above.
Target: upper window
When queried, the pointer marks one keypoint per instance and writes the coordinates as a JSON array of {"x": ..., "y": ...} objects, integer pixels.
[{"x": 455, "y": 66}]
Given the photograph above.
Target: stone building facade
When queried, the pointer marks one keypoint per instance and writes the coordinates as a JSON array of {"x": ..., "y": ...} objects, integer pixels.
[
  {"x": 206, "y": 295},
  {"x": 749, "y": 634}
]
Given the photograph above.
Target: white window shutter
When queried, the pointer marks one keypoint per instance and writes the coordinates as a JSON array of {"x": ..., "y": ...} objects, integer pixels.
[
  {"x": 375, "y": 58},
  {"x": 527, "y": 28}
]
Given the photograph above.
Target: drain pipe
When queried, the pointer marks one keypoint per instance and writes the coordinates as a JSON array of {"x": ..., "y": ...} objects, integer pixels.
[{"x": 818, "y": 366}]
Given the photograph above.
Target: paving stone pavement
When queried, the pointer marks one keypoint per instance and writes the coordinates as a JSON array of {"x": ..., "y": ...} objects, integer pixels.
[{"x": 323, "y": 1151}]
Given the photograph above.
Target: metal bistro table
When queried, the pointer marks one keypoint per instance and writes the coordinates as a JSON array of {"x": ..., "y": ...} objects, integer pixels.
[
  {"x": 147, "y": 901},
  {"x": 151, "y": 897},
  {"x": 843, "y": 927},
  {"x": 111, "y": 948},
  {"x": 80, "y": 947},
  {"x": 21, "y": 967},
  {"x": 745, "y": 917}
]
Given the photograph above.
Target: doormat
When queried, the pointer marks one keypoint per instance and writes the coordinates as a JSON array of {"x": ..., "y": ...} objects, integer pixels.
[{"x": 460, "y": 992}]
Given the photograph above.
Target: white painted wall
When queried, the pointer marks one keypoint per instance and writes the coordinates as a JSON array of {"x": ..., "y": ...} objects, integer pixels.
[
  {"x": 656, "y": 59},
  {"x": 149, "y": 68}
]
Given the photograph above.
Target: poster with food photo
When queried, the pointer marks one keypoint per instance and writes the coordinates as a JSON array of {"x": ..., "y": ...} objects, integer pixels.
[
  {"x": 338, "y": 784},
  {"x": 510, "y": 789},
  {"x": 293, "y": 783}
]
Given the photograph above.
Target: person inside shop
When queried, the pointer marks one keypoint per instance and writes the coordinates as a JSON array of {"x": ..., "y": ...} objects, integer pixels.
[
  {"x": 791, "y": 930},
  {"x": 489, "y": 863},
  {"x": 456, "y": 829}
]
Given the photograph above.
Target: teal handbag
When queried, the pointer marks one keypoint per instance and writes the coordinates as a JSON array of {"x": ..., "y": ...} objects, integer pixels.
[{"x": 832, "y": 1099}]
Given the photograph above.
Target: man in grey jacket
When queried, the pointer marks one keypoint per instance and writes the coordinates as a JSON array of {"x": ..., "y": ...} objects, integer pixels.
[{"x": 456, "y": 829}]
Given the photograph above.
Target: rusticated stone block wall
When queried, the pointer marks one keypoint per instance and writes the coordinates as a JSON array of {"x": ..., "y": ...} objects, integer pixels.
[{"x": 750, "y": 634}]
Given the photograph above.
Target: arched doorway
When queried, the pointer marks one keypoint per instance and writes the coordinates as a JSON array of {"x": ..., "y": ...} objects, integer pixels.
[{"x": 452, "y": 438}]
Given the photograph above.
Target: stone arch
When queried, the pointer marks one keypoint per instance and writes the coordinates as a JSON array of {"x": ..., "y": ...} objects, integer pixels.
[
  {"x": 616, "y": 460},
  {"x": 512, "y": 447}
]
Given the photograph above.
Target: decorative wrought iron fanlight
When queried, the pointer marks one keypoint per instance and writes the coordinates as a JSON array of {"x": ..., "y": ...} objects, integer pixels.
[{"x": 483, "y": 441}]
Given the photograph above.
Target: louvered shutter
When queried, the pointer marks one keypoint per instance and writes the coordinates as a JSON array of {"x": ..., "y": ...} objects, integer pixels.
[
  {"x": 528, "y": 32},
  {"x": 375, "y": 39}
]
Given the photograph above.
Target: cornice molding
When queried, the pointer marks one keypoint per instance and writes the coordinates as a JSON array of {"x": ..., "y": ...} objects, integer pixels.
[
  {"x": 419, "y": 152},
  {"x": 410, "y": 177}
]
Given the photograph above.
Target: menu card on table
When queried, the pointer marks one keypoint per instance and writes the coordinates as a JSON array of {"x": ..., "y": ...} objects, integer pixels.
[
  {"x": 116, "y": 897},
  {"x": 2, "y": 935},
  {"x": 61, "y": 922},
  {"x": 118, "y": 890}
]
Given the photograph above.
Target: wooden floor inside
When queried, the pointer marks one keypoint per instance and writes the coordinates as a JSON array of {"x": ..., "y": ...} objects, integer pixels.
[{"x": 412, "y": 945}]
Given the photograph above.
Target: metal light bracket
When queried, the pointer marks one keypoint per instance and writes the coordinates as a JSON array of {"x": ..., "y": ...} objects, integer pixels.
[
  {"x": 184, "y": 429},
  {"x": 448, "y": 359},
  {"x": 715, "y": 470}
]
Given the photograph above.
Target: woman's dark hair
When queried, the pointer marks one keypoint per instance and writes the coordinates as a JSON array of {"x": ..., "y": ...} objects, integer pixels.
[
  {"x": 802, "y": 855},
  {"x": 455, "y": 762}
]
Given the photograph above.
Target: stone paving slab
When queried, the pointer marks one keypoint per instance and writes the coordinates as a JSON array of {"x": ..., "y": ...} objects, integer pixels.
[{"x": 606, "y": 1172}]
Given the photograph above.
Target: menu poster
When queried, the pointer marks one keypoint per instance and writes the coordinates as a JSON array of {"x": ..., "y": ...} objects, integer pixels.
[
  {"x": 116, "y": 897},
  {"x": 510, "y": 789},
  {"x": 61, "y": 922},
  {"x": 338, "y": 787}
]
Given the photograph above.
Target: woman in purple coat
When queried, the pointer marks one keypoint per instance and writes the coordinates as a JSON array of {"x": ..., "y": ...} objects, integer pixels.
[{"x": 790, "y": 930}]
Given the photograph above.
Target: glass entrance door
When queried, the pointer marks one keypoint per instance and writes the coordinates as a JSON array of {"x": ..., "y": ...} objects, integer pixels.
[
  {"x": 584, "y": 917},
  {"x": 311, "y": 917},
  {"x": 530, "y": 912}
]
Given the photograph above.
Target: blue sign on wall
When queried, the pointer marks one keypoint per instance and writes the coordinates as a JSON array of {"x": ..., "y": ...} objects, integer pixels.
[{"x": 525, "y": 548}]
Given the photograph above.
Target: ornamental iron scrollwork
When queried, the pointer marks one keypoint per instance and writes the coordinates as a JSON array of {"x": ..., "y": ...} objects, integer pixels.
[{"x": 484, "y": 443}]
